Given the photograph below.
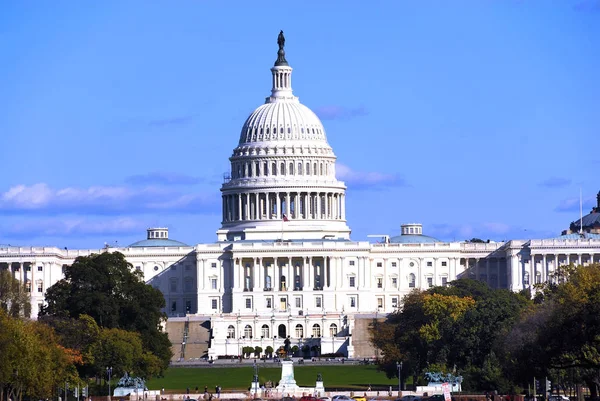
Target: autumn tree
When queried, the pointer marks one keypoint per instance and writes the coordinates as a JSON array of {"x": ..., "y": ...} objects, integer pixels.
[
  {"x": 14, "y": 299},
  {"x": 107, "y": 288}
]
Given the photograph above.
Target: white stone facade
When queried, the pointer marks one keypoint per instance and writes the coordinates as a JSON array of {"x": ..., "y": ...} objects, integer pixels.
[{"x": 283, "y": 265}]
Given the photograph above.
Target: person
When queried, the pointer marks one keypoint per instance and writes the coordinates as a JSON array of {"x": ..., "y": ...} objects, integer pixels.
[
  {"x": 369, "y": 388},
  {"x": 205, "y": 389}
]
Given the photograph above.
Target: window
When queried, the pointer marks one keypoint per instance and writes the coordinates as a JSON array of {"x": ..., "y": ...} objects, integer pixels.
[
  {"x": 316, "y": 330},
  {"x": 351, "y": 263},
  {"x": 173, "y": 285},
  {"x": 411, "y": 280},
  {"x": 379, "y": 264},
  {"x": 213, "y": 283},
  {"x": 189, "y": 284},
  {"x": 430, "y": 281},
  {"x": 40, "y": 268},
  {"x": 379, "y": 282},
  {"x": 155, "y": 268},
  {"x": 174, "y": 306},
  {"x": 394, "y": 282},
  {"x": 173, "y": 267},
  {"x": 444, "y": 263},
  {"x": 380, "y": 303},
  {"x": 394, "y": 264},
  {"x": 188, "y": 306},
  {"x": 298, "y": 302},
  {"x": 248, "y": 303},
  {"x": 138, "y": 268},
  {"x": 264, "y": 331},
  {"x": 231, "y": 332},
  {"x": 299, "y": 331},
  {"x": 214, "y": 304},
  {"x": 444, "y": 281},
  {"x": 269, "y": 303},
  {"x": 394, "y": 302},
  {"x": 318, "y": 302},
  {"x": 28, "y": 268},
  {"x": 333, "y": 330},
  {"x": 352, "y": 281},
  {"x": 213, "y": 265},
  {"x": 412, "y": 264},
  {"x": 353, "y": 302},
  {"x": 538, "y": 277},
  {"x": 429, "y": 264},
  {"x": 28, "y": 286},
  {"x": 187, "y": 267},
  {"x": 526, "y": 278},
  {"x": 268, "y": 282},
  {"x": 248, "y": 331}
]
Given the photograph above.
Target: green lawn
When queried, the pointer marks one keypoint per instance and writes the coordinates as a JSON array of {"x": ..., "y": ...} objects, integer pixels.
[{"x": 229, "y": 378}]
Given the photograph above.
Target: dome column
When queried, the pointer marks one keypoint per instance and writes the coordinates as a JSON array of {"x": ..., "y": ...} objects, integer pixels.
[{"x": 287, "y": 205}]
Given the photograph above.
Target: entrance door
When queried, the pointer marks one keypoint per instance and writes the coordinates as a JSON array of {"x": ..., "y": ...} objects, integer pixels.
[{"x": 281, "y": 331}]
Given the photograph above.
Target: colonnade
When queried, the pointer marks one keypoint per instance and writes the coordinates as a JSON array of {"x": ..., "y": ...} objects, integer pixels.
[{"x": 273, "y": 205}]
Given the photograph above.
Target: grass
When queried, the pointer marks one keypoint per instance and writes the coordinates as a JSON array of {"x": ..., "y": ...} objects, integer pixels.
[{"x": 350, "y": 377}]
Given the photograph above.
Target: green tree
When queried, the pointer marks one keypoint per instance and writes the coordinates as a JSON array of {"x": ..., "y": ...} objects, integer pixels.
[
  {"x": 14, "y": 299},
  {"x": 107, "y": 288},
  {"x": 269, "y": 351},
  {"x": 257, "y": 351}
]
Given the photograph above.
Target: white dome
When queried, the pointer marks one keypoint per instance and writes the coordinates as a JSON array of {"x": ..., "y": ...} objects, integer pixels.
[{"x": 282, "y": 121}]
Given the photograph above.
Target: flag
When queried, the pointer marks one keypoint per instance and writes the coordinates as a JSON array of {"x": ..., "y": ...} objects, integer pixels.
[{"x": 285, "y": 218}]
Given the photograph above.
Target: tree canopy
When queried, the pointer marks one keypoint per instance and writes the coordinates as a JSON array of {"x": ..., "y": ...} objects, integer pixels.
[
  {"x": 14, "y": 299},
  {"x": 107, "y": 288}
]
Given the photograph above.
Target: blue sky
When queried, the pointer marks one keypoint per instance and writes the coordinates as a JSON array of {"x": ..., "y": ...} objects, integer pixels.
[{"x": 476, "y": 118}]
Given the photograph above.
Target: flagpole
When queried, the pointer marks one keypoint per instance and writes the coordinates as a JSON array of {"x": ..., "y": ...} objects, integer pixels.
[{"x": 580, "y": 212}]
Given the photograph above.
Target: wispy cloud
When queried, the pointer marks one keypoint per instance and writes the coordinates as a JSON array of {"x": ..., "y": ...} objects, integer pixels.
[
  {"x": 555, "y": 182},
  {"x": 340, "y": 112},
  {"x": 572, "y": 205},
  {"x": 41, "y": 198},
  {"x": 72, "y": 226},
  {"x": 162, "y": 178},
  {"x": 179, "y": 120},
  {"x": 367, "y": 180}
]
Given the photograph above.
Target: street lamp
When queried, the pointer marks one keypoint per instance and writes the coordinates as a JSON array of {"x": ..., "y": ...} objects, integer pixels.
[
  {"x": 109, "y": 374},
  {"x": 399, "y": 366}
]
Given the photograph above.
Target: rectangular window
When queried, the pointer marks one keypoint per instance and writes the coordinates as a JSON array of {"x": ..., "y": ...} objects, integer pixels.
[
  {"x": 269, "y": 303},
  {"x": 28, "y": 268},
  {"x": 213, "y": 265},
  {"x": 189, "y": 285},
  {"x": 379, "y": 282},
  {"x": 248, "y": 303},
  {"x": 353, "y": 302},
  {"x": 213, "y": 283},
  {"x": 380, "y": 302},
  {"x": 318, "y": 302},
  {"x": 352, "y": 282},
  {"x": 298, "y": 302},
  {"x": 174, "y": 306},
  {"x": 214, "y": 304},
  {"x": 430, "y": 281},
  {"x": 444, "y": 281},
  {"x": 173, "y": 286},
  {"x": 394, "y": 264},
  {"x": 394, "y": 302},
  {"x": 429, "y": 264},
  {"x": 394, "y": 282},
  {"x": 351, "y": 263},
  {"x": 379, "y": 264},
  {"x": 138, "y": 268},
  {"x": 40, "y": 268},
  {"x": 188, "y": 306},
  {"x": 444, "y": 263}
]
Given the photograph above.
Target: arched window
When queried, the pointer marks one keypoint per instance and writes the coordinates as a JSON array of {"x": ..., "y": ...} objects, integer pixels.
[
  {"x": 268, "y": 282},
  {"x": 231, "y": 332},
  {"x": 248, "y": 331},
  {"x": 291, "y": 172},
  {"x": 282, "y": 172},
  {"x": 264, "y": 331},
  {"x": 274, "y": 169},
  {"x": 315, "y": 171},
  {"x": 266, "y": 169},
  {"x": 526, "y": 278},
  {"x": 300, "y": 168},
  {"x": 316, "y": 330},
  {"x": 307, "y": 168},
  {"x": 333, "y": 330},
  {"x": 299, "y": 331},
  {"x": 538, "y": 277},
  {"x": 411, "y": 280}
]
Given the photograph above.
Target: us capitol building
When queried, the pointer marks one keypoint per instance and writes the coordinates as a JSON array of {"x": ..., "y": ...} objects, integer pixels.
[{"x": 284, "y": 266}]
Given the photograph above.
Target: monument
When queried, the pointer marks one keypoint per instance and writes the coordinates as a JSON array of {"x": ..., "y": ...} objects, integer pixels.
[
  {"x": 319, "y": 387},
  {"x": 436, "y": 380},
  {"x": 287, "y": 384}
]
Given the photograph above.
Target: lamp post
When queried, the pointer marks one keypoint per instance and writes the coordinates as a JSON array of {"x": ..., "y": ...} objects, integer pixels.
[
  {"x": 109, "y": 374},
  {"x": 399, "y": 366}
]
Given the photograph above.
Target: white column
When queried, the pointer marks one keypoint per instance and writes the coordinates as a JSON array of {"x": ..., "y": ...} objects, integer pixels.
[
  {"x": 544, "y": 269},
  {"x": 278, "y": 203},
  {"x": 343, "y": 205},
  {"x": 579, "y": 259},
  {"x": 305, "y": 283},
  {"x": 239, "y": 202},
  {"x": 311, "y": 273}
]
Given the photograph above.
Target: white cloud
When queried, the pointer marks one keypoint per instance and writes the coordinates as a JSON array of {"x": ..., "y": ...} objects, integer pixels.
[
  {"x": 72, "y": 226},
  {"x": 364, "y": 179},
  {"x": 572, "y": 205},
  {"x": 103, "y": 200}
]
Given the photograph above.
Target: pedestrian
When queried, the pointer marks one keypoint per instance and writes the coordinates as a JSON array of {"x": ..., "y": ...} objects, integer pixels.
[
  {"x": 187, "y": 391},
  {"x": 205, "y": 389}
]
